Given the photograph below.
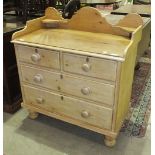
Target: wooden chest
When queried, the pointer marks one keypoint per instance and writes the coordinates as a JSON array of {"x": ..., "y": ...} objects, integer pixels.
[{"x": 79, "y": 70}]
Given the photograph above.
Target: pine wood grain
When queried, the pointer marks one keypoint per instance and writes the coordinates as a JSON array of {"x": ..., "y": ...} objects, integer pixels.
[
  {"x": 63, "y": 105},
  {"x": 125, "y": 80},
  {"x": 99, "y": 68},
  {"x": 48, "y": 58},
  {"x": 101, "y": 43}
]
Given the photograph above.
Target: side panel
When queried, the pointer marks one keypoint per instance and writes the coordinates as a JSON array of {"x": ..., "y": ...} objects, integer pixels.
[{"x": 126, "y": 79}]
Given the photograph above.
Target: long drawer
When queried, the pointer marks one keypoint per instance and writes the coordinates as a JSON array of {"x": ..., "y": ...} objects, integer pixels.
[
  {"x": 89, "y": 66},
  {"x": 88, "y": 89},
  {"x": 41, "y": 57},
  {"x": 80, "y": 87},
  {"x": 63, "y": 105}
]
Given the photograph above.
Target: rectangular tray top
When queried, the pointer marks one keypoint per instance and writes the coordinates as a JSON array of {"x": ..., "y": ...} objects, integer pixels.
[
  {"x": 81, "y": 34},
  {"x": 101, "y": 43}
]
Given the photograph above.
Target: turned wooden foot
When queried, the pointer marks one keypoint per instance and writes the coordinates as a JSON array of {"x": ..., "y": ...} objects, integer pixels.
[
  {"x": 109, "y": 141},
  {"x": 33, "y": 115}
]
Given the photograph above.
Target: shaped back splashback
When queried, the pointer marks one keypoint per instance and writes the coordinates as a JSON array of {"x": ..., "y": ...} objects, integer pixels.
[{"x": 86, "y": 19}]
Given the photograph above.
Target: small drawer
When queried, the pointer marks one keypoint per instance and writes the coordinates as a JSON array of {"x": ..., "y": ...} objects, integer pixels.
[
  {"x": 39, "y": 77},
  {"x": 63, "y": 105},
  {"x": 41, "y": 57},
  {"x": 88, "y": 89},
  {"x": 89, "y": 66}
]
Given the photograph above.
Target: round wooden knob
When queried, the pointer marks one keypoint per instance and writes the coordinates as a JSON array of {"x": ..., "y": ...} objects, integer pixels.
[
  {"x": 35, "y": 57},
  {"x": 38, "y": 78},
  {"x": 86, "y": 67},
  {"x": 85, "y": 114},
  {"x": 86, "y": 91},
  {"x": 40, "y": 100}
]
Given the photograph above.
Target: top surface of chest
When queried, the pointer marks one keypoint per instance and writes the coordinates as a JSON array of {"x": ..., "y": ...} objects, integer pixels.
[
  {"x": 81, "y": 33},
  {"x": 80, "y": 41}
]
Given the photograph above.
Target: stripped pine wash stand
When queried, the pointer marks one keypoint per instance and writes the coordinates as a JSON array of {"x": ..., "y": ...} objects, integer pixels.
[{"x": 79, "y": 70}]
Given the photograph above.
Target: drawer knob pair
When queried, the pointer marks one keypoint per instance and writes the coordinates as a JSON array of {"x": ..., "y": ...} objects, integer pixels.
[
  {"x": 35, "y": 57},
  {"x": 38, "y": 78},
  {"x": 86, "y": 90},
  {"x": 40, "y": 100},
  {"x": 85, "y": 114},
  {"x": 86, "y": 67}
]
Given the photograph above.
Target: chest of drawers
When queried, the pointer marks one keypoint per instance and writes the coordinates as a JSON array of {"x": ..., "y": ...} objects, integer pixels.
[{"x": 79, "y": 71}]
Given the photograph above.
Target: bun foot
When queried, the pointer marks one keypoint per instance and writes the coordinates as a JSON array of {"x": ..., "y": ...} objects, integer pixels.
[
  {"x": 109, "y": 141},
  {"x": 33, "y": 115}
]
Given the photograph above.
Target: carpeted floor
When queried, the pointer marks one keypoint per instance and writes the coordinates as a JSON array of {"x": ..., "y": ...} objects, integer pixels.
[{"x": 139, "y": 114}]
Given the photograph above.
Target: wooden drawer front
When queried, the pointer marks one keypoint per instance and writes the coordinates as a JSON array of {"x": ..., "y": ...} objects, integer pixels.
[
  {"x": 88, "y": 89},
  {"x": 42, "y": 57},
  {"x": 63, "y": 105},
  {"x": 40, "y": 77},
  {"x": 89, "y": 66}
]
